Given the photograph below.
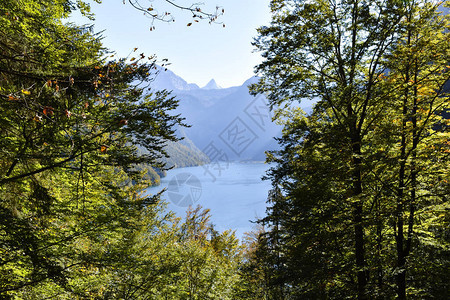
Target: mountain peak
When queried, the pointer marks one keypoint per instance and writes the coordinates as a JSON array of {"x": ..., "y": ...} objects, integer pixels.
[
  {"x": 251, "y": 80},
  {"x": 211, "y": 85},
  {"x": 166, "y": 79}
]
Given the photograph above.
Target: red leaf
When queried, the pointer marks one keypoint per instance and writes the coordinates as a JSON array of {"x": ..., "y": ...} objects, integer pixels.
[{"x": 48, "y": 111}]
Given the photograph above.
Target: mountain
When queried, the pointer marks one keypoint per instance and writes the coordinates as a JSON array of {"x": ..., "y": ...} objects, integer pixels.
[
  {"x": 181, "y": 154},
  {"x": 166, "y": 79},
  {"x": 211, "y": 85},
  {"x": 184, "y": 153},
  {"x": 227, "y": 124}
]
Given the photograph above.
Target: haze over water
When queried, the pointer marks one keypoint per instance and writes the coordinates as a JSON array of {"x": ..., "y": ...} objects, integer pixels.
[{"x": 235, "y": 197}]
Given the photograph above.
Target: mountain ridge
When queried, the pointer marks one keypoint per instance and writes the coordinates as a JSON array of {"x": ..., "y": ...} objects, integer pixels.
[
  {"x": 165, "y": 79},
  {"x": 227, "y": 123}
]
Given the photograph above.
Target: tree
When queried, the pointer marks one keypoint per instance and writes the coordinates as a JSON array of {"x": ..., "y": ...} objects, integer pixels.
[
  {"x": 161, "y": 12},
  {"x": 262, "y": 268},
  {"x": 331, "y": 173},
  {"x": 175, "y": 260},
  {"x": 70, "y": 123},
  {"x": 418, "y": 73},
  {"x": 311, "y": 227},
  {"x": 165, "y": 16}
]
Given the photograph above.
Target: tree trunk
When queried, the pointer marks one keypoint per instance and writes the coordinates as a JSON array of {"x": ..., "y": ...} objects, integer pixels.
[{"x": 358, "y": 216}]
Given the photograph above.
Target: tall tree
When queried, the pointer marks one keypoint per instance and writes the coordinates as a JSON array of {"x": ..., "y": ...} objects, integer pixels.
[
  {"x": 334, "y": 52},
  {"x": 70, "y": 123},
  {"x": 418, "y": 73}
]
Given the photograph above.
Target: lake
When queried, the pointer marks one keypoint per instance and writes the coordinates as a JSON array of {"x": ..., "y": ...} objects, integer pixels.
[{"x": 234, "y": 193}]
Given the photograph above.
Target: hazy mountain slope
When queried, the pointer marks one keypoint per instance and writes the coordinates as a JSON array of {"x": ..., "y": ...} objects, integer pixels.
[
  {"x": 226, "y": 122},
  {"x": 166, "y": 79},
  {"x": 184, "y": 153},
  {"x": 181, "y": 154}
]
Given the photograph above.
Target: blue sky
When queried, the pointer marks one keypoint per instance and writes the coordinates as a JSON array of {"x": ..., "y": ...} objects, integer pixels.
[{"x": 197, "y": 53}]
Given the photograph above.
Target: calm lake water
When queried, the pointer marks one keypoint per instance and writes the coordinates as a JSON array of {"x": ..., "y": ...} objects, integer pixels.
[{"x": 234, "y": 193}]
